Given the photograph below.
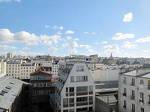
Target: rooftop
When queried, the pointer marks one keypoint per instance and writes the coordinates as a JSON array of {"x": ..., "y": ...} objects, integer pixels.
[{"x": 9, "y": 89}]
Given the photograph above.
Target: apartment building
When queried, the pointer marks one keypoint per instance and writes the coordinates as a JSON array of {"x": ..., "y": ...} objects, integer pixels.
[
  {"x": 54, "y": 64},
  {"x": 134, "y": 91},
  {"x": 42, "y": 86},
  {"x": 13, "y": 68},
  {"x": 3, "y": 67},
  {"x": 27, "y": 69},
  {"x": 19, "y": 69},
  {"x": 75, "y": 89}
]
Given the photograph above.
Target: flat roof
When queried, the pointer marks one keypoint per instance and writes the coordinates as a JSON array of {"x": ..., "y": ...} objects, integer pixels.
[{"x": 9, "y": 89}]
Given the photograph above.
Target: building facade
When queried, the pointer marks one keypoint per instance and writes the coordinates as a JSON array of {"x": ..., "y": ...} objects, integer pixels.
[
  {"x": 134, "y": 91},
  {"x": 2, "y": 67},
  {"x": 19, "y": 69},
  {"x": 75, "y": 89}
]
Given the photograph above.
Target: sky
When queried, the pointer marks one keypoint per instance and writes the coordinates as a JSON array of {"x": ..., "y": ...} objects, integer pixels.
[{"x": 84, "y": 27}]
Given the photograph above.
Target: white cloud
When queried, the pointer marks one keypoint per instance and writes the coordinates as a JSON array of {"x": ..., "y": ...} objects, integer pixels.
[
  {"x": 48, "y": 40},
  {"x": 128, "y": 17},
  {"x": 90, "y": 33},
  {"x": 129, "y": 45},
  {"x": 143, "y": 40},
  {"x": 123, "y": 36},
  {"x": 111, "y": 48},
  {"x": 6, "y": 35},
  {"x": 27, "y": 38},
  {"x": 69, "y": 32}
]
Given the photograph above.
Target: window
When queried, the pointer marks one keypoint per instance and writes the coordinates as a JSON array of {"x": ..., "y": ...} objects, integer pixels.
[
  {"x": 124, "y": 93},
  {"x": 141, "y": 82},
  {"x": 72, "y": 79},
  {"x": 133, "y": 107},
  {"x": 82, "y": 90},
  {"x": 148, "y": 99},
  {"x": 141, "y": 97},
  {"x": 133, "y": 82},
  {"x": 82, "y": 101},
  {"x": 71, "y": 102},
  {"x": 148, "y": 84},
  {"x": 81, "y": 78},
  {"x": 90, "y": 108},
  {"x": 124, "y": 104},
  {"x": 90, "y": 100},
  {"x": 142, "y": 109},
  {"x": 133, "y": 95},
  {"x": 80, "y": 68},
  {"x": 71, "y": 91},
  {"x": 90, "y": 89},
  {"x": 65, "y": 102},
  {"x": 124, "y": 80}
]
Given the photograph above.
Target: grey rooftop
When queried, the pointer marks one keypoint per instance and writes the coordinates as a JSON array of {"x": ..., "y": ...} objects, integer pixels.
[{"x": 9, "y": 89}]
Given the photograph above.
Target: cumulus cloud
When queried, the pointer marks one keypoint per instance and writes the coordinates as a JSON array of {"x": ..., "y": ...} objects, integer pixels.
[
  {"x": 27, "y": 38},
  {"x": 50, "y": 39},
  {"x": 143, "y": 40},
  {"x": 129, "y": 45},
  {"x": 69, "y": 32},
  {"x": 6, "y": 35},
  {"x": 128, "y": 17},
  {"x": 123, "y": 36}
]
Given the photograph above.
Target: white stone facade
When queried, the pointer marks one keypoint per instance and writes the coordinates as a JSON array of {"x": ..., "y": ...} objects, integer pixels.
[{"x": 134, "y": 92}]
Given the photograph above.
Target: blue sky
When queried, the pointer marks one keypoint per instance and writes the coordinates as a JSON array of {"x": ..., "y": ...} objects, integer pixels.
[{"x": 63, "y": 27}]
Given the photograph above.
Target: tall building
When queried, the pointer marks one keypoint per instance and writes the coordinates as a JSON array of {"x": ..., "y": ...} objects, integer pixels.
[
  {"x": 134, "y": 91},
  {"x": 75, "y": 89}
]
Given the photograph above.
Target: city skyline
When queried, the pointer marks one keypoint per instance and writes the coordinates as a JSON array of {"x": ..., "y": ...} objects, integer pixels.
[{"x": 29, "y": 27}]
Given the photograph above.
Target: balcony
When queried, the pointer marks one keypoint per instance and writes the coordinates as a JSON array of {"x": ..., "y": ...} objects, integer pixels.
[
  {"x": 124, "y": 94},
  {"x": 132, "y": 97}
]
